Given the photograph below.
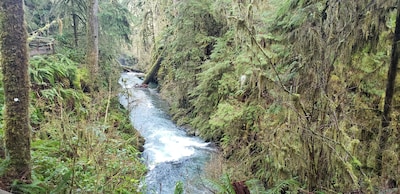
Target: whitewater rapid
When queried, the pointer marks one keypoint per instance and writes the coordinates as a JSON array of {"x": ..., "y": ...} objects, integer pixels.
[{"x": 170, "y": 154}]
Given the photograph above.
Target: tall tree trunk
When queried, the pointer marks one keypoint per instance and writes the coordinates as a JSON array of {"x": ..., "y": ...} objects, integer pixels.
[
  {"x": 14, "y": 62},
  {"x": 75, "y": 23},
  {"x": 93, "y": 41},
  {"x": 391, "y": 79},
  {"x": 74, "y": 18}
]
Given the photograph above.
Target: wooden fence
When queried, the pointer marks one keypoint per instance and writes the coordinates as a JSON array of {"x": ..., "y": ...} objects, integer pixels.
[{"x": 41, "y": 46}]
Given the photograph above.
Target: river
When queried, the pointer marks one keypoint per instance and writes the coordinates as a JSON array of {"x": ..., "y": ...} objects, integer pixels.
[{"x": 170, "y": 154}]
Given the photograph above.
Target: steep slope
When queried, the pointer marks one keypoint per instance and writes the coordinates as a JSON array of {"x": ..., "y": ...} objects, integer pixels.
[{"x": 288, "y": 89}]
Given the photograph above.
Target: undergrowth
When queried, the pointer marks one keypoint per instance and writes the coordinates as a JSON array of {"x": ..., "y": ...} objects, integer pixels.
[{"x": 81, "y": 143}]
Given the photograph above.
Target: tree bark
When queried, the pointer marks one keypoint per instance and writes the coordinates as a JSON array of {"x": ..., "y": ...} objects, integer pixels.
[
  {"x": 93, "y": 40},
  {"x": 74, "y": 18},
  {"x": 240, "y": 187},
  {"x": 391, "y": 79},
  {"x": 14, "y": 61},
  {"x": 75, "y": 23}
]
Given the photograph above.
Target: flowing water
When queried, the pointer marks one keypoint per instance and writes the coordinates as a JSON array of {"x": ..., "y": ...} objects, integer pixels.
[{"x": 169, "y": 153}]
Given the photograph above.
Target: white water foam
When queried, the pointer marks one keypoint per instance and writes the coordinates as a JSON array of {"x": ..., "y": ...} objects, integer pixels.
[{"x": 169, "y": 153}]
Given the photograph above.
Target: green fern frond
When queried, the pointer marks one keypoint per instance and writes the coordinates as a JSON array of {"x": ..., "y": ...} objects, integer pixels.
[
  {"x": 255, "y": 186},
  {"x": 289, "y": 184},
  {"x": 53, "y": 69},
  {"x": 222, "y": 186},
  {"x": 51, "y": 94},
  {"x": 179, "y": 188},
  {"x": 35, "y": 187}
]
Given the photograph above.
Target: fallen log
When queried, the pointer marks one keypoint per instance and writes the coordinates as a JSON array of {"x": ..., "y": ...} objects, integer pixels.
[
  {"x": 150, "y": 76},
  {"x": 130, "y": 69}
]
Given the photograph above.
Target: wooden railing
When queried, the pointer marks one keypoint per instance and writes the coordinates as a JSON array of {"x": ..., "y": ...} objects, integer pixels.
[{"x": 41, "y": 46}]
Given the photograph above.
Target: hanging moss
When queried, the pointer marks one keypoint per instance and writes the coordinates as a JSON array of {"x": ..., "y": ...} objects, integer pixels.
[{"x": 289, "y": 89}]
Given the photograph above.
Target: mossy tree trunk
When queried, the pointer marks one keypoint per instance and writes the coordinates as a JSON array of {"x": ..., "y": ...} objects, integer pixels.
[
  {"x": 75, "y": 24},
  {"x": 151, "y": 75},
  {"x": 390, "y": 86},
  {"x": 14, "y": 63},
  {"x": 93, "y": 41}
]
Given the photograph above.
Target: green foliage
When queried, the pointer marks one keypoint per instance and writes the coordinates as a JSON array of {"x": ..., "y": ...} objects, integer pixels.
[
  {"x": 179, "y": 188},
  {"x": 71, "y": 155},
  {"x": 116, "y": 18},
  {"x": 208, "y": 92},
  {"x": 73, "y": 149},
  {"x": 255, "y": 186},
  {"x": 115, "y": 22},
  {"x": 225, "y": 115},
  {"x": 285, "y": 88},
  {"x": 4, "y": 162},
  {"x": 38, "y": 14},
  {"x": 46, "y": 71},
  {"x": 285, "y": 186},
  {"x": 34, "y": 187},
  {"x": 222, "y": 186},
  {"x": 56, "y": 82},
  {"x": 81, "y": 143},
  {"x": 185, "y": 54}
]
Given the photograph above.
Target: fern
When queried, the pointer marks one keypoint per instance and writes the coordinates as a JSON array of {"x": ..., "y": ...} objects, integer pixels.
[
  {"x": 33, "y": 188},
  {"x": 51, "y": 94},
  {"x": 222, "y": 186},
  {"x": 256, "y": 187},
  {"x": 179, "y": 188},
  {"x": 52, "y": 70},
  {"x": 4, "y": 163},
  {"x": 289, "y": 185}
]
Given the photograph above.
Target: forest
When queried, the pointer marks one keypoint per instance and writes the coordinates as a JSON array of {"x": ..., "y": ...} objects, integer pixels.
[{"x": 298, "y": 96}]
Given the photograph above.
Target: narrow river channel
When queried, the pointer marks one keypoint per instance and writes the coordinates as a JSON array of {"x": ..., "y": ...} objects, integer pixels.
[{"x": 169, "y": 153}]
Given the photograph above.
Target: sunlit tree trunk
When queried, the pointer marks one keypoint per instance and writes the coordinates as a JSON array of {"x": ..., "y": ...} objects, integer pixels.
[
  {"x": 93, "y": 40},
  {"x": 14, "y": 64},
  {"x": 391, "y": 79}
]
